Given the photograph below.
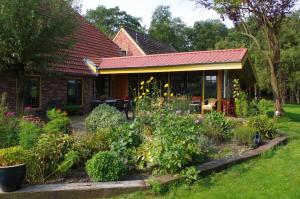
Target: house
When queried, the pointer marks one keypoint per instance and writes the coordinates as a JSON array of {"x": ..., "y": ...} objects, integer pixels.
[
  {"x": 70, "y": 82},
  {"x": 134, "y": 43},
  {"x": 206, "y": 74}
]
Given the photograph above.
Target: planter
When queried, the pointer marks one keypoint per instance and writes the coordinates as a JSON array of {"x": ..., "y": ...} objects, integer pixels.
[{"x": 12, "y": 177}]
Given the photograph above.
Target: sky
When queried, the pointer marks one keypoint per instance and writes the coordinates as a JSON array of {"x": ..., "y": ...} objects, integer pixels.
[{"x": 187, "y": 10}]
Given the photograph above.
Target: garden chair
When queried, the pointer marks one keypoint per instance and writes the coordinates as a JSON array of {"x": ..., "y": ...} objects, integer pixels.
[
  {"x": 196, "y": 103},
  {"x": 209, "y": 104}
]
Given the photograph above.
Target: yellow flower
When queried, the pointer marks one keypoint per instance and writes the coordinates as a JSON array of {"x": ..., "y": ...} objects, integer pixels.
[
  {"x": 142, "y": 87},
  {"x": 172, "y": 94},
  {"x": 140, "y": 97},
  {"x": 143, "y": 93},
  {"x": 147, "y": 91},
  {"x": 165, "y": 94},
  {"x": 135, "y": 99},
  {"x": 142, "y": 83},
  {"x": 151, "y": 78},
  {"x": 148, "y": 81},
  {"x": 166, "y": 85}
]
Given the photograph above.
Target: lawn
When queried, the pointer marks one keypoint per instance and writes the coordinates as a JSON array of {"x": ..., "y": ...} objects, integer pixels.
[{"x": 273, "y": 175}]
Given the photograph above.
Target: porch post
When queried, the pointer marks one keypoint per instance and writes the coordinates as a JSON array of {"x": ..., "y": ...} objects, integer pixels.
[
  {"x": 203, "y": 89},
  {"x": 219, "y": 90}
]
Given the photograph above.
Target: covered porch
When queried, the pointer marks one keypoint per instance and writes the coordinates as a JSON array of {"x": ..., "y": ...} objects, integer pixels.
[{"x": 198, "y": 75}]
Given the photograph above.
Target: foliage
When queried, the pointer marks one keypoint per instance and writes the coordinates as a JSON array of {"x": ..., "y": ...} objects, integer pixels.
[
  {"x": 45, "y": 157},
  {"x": 240, "y": 99},
  {"x": 70, "y": 159},
  {"x": 105, "y": 166},
  {"x": 190, "y": 174},
  {"x": 109, "y": 20},
  {"x": 169, "y": 30},
  {"x": 31, "y": 36},
  {"x": 216, "y": 126},
  {"x": 173, "y": 143},
  {"x": 244, "y": 134},
  {"x": 72, "y": 109},
  {"x": 104, "y": 116},
  {"x": 180, "y": 104},
  {"x": 29, "y": 134},
  {"x": 263, "y": 106},
  {"x": 156, "y": 186},
  {"x": 11, "y": 156},
  {"x": 8, "y": 125},
  {"x": 59, "y": 122},
  {"x": 265, "y": 126}
]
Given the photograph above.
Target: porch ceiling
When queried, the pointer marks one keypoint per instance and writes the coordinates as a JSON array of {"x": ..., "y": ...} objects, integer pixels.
[{"x": 174, "y": 62}]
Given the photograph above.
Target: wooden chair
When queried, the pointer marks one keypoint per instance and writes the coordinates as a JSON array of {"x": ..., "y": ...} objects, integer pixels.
[
  {"x": 210, "y": 104},
  {"x": 196, "y": 103}
]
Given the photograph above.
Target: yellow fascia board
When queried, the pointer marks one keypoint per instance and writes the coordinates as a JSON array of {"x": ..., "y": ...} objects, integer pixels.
[{"x": 178, "y": 68}]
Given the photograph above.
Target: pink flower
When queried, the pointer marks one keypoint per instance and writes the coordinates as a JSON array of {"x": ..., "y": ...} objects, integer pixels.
[{"x": 10, "y": 114}]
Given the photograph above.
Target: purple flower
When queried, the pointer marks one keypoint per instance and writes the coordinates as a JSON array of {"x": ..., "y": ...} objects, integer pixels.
[{"x": 10, "y": 114}]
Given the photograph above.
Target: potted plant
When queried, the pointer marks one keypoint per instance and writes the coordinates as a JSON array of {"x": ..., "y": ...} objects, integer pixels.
[{"x": 12, "y": 169}]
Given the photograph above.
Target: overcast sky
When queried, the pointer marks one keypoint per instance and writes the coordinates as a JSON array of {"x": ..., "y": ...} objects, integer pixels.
[{"x": 187, "y": 10}]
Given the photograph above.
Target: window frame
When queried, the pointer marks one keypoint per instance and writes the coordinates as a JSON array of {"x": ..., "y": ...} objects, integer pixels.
[
  {"x": 40, "y": 90},
  {"x": 75, "y": 79}
]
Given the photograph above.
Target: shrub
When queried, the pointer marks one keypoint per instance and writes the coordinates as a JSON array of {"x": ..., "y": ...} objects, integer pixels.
[
  {"x": 190, "y": 174},
  {"x": 240, "y": 99},
  {"x": 172, "y": 144},
  {"x": 29, "y": 134},
  {"x": 263, "y": 106},
  {"x": 104, "y": 116},
  {"x": 59, "y": 122},
  {"x": 245, "y": 135},
  {"x": 45, "y": 157},
  {"x": 105, "y": 166},
  {"x": 8, "y": 125},
  {"x": 265, "y": 126},
  {"x": 216, "y": 126},
  {"x": 12, "y": 156},
  {"x": 70, "y": 159}
]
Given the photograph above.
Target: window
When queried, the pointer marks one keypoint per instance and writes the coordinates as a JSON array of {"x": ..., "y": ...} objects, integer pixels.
[
  {"x": 103, "y": 86},
  {"x": 32, "y": 92},
  {"x": 210, "y": 85},
  {"x": 178, "y": 83},
  {"x": 74, "y": 93},
  {"x": 194, "y": 83}
]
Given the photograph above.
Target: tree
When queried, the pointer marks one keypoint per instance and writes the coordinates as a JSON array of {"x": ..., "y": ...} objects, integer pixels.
[
  {"x": 34, "y": 34},
  {"x": 269, "y": 15},
  {"x": 109, "y": 20},
  {"x": 206, "y": 34},
  {"x": 169, "y": 30}
]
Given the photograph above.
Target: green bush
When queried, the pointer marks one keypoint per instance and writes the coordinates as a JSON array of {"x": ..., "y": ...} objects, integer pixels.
[
  {"x": 29, "y": 134},
  {"x": 245, "y": 134},
  {"x": 45, "y": 157},
  {"x": 104, "y": 116},
  {"x": 190, "y": 174},
  {"x": 12, "y": 156},
  {"x": 59, "y": 122},
  {"x": 105, "y": 166},
  {"x": 263, "y": 106},
  {"x": 265, "y": 126},
  {"x": 171, "y": 144},
  {"x": 216, "y": 126},
  {"x": 242, "y": 108}
]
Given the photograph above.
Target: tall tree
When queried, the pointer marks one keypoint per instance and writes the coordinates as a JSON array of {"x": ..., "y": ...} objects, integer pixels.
[
  {"x": 33, "y": 35},
  {"x": 206, "y": 34},
  {"x": 269, "y": 15},
  {"x": 169, "y": 30},
  {"x": 109, "y": 20}
]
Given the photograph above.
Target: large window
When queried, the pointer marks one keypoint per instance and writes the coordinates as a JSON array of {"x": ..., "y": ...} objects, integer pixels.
[
  {"x": 210, "y": 85},
  {"x": 178, "y": 83},
  {"x": 74, "y": 94},
  {"x": 194, "y": 83},
  {"x": 103, "y": 86},
  {"x": 32, "y": 92}
]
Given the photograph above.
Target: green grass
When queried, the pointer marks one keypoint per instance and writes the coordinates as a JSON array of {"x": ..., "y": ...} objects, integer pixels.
[{"x": 274, "y": 175}]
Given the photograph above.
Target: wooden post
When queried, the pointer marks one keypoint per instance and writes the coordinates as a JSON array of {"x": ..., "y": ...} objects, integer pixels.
[
  {"x": 219, "y": 90},
  {"x": 203, "y": 91}
]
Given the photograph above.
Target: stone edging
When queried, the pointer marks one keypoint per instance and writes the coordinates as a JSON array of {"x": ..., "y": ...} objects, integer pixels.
[{"x": 109, "y": 189}]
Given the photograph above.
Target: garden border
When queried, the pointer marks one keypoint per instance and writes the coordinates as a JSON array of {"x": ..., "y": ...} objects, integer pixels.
[{"x": 109, "y": 189}]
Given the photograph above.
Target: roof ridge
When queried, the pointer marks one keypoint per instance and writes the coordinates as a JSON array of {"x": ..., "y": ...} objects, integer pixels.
[{"x": 176, "y": 53}]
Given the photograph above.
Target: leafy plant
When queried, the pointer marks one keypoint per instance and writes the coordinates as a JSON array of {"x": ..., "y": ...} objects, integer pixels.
[
  {"x": 265, "y": 126},
  {"x": 245, "y": 134},
  {"x": 70, "y": 159},
  {"x": 104, "y": 116},
  {"x": 12, "y": 156},
  {"x": 240, "y": 99},
  {"x": 105, "y": 166},
  {"x": 190, "y": 174},
  {"x": 263, "y": 106},
  {"x": 216, "y": 126},
  {"x": 59, "y": 122},
  {"x": 45, "y": 157},
  {"x": 72, "y": 109},
  {"x": 29, "y": 134}
]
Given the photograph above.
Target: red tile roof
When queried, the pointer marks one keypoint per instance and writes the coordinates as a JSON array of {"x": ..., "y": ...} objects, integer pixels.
[
  {"x": 90, "y": 43},
  {"x": 172, "y": 59}
]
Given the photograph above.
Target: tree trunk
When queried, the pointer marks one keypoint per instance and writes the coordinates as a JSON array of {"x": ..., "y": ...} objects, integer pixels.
[{"x": 20, "y": 91}]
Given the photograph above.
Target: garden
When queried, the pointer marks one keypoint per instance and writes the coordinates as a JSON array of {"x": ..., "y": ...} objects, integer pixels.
[{"x": 163, "y": 138}]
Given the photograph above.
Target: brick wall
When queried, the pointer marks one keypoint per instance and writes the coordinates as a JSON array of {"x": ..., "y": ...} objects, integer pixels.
[
  {"x": 52, "y": 88},
  {"x": 126, "y": 44}
]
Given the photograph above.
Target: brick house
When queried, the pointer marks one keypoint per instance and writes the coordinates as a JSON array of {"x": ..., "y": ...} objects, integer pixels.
[{"x": 71, "y": 82}]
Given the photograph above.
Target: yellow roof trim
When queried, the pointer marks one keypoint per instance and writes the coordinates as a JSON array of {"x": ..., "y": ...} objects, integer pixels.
[{"x": 178, "y": 68}]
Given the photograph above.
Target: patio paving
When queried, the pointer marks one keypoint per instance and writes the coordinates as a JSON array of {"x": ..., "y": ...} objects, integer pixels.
[{"x": 78, "y": 124}]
